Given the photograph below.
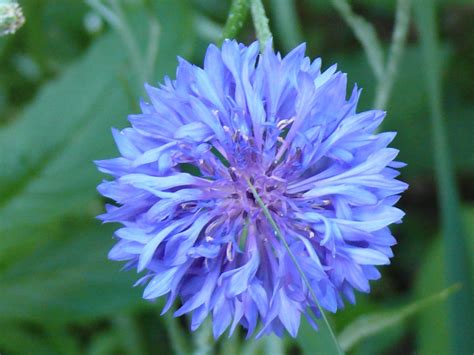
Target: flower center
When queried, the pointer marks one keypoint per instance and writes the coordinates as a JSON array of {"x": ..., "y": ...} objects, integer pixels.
[{"x": 271, "y": 190}]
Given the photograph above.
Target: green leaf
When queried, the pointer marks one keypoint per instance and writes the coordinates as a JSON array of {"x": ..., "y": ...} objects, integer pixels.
[
  {"x": 49, "y": 125},
  {"x": 71, "y": 280},
  {"x": 432, "y": 325},
  {"x": 46, "y": 155},
  {"x": 371, "y": 324}
]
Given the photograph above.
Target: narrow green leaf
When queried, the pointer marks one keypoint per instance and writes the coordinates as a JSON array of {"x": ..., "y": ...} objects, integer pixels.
[
  {"x": 371, "y": 324},
  {"x": 385, "y": 84},
  {"x": 461, "y": 315},
  {"x": 432, "y": 334},
  {"x": 365, "y": 33}
]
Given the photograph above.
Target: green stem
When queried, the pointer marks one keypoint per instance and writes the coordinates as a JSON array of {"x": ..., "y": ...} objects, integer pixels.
[
  {"x": 461, "y": 315},
  {"x": 178, "y": 342},
  {"x": 260, "y": 21},
  {"x": 277, "y": 231},
  {"x": 385, "y": 84},
  {"x": 203, "y": 339},
  {"x": 274, "y": 345},
  {"x": 130, "y": 334},
  {"x": 235, "y": 21}
]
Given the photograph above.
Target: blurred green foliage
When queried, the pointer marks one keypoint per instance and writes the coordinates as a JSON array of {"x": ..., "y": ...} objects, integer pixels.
[{"x": 66, "y": 78}]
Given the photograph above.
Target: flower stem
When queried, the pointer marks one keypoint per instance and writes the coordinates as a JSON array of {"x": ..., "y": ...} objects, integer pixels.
[
  {"x": 278, "y": 233},
  {"x": 178, "y": 341},
  {"x": 235, "y": 21},
  {"x": 260, "y": 21},
  {"x": 203, "y": 339}
]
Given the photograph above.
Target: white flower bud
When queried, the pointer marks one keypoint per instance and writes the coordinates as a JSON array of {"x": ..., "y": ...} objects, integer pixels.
[{"x": 11, "y": 17}]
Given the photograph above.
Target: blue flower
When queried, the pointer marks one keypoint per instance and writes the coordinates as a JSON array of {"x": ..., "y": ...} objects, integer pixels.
[{"x": 190, "y": 221}]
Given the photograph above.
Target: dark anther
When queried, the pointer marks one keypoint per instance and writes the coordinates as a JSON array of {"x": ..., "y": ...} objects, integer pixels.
[
  {"x": 270, "y": 168},
  {"x": 250, "y": 196},
  {"x": 298, "y": 153},
  {"x": 232, "y": 174}
]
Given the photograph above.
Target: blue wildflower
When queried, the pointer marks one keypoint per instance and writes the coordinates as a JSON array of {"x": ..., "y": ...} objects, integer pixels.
[{"x": 190, "y": 221}]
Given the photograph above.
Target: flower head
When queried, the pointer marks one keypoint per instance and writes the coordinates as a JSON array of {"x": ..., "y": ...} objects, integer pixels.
[{"x": 193, "y": 225}]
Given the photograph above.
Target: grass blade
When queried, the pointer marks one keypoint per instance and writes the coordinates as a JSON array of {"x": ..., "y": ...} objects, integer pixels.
[
  {"x": 365, "y": 34},
  {"x": 402, "y": 21}
]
